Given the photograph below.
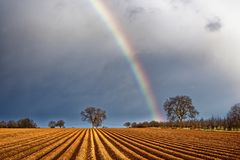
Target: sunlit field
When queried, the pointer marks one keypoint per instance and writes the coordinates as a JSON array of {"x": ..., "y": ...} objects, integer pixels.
[{"x": 147, "y": 143}]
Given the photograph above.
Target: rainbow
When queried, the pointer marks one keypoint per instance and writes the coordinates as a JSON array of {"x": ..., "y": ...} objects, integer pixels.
[{"x": 130, "y": 55}]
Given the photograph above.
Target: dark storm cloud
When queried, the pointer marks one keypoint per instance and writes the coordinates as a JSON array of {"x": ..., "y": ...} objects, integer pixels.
[
  {"x": 63, "y": 91},
  {"x": 57, "y": 57},
  {"x": 192, "y": 75},
  {"x": 50, "y": 72},
  {"x": 214, "y": 24}
]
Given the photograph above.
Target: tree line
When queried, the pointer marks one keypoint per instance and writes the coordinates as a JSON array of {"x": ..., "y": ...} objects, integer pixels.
[
  {"x": 214, "y": 123},
  {"x": 29, "y": 123},
  {"x": 59, "y": 123},
  {"x": 93, "y": 115},
  {"x": 181, "y": 113},
  {"x": 21, "y": 123}
]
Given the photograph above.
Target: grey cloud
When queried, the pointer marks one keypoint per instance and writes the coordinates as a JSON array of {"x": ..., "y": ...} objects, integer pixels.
[
  {"x": 214, "y": 24},
  {"x": 176, "y": 4},
  {"x": 186, "y": 1},
  {"x": 133, "y": 12},
  {"x": 181, "y": 1}
]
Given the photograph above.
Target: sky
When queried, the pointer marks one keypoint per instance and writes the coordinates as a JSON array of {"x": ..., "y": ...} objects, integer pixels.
[{"x": 58, "y": 57}]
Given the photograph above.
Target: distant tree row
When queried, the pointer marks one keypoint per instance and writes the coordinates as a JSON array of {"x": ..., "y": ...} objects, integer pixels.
[
  {"x": 53, "y": 124},
  {"x": 181, "y": 113},
  {"x": 211, "y": 123},
  {"x": 21, "y": 123}
]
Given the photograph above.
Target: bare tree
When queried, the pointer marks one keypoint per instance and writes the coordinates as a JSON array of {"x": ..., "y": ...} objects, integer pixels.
[
  {"x": 233, "y": 117},
  {"x": 179, "y": 108},
  {"x": 134, "y": 124},
  {"x": 3, "y": 124},
  {"x": 93, "y": 115},
  {"x": 60, "y": 123},
  {"x": 52, "y": 124},
  {"x": 127, "y": 124},
  {"x": 12, "y": 124}
]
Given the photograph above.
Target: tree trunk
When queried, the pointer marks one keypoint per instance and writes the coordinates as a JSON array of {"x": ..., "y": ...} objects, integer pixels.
[{"x": 181, "y": 123}]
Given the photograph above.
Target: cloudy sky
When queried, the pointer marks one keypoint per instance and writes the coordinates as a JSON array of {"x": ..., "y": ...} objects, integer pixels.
[{"x": 59, "y": 56}]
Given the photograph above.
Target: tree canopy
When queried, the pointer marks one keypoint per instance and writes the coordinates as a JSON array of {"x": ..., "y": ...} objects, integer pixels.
[
  {"x": 179, "y": 108},
  {"x": 60, "y": 123},
  {"x": 233, "y": 116},
  {"x": 127, "y": 124},
  {"x": 21, "y": 123},
  {"x": 26, "y": 123},
  {"x": 93, "y": 115},
  {"x": 52, "y": 124}
]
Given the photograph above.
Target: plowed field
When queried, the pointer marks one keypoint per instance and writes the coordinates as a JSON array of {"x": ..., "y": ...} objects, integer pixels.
[{"x": 150, "y": 143}]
